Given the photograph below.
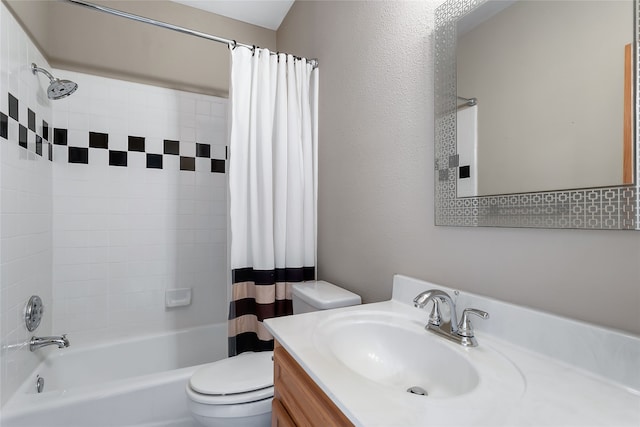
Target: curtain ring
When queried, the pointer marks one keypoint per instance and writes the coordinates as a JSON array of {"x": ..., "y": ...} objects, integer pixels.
[
  {"x": 253, "y": 50},
  {"x": 233, "y": 44}
]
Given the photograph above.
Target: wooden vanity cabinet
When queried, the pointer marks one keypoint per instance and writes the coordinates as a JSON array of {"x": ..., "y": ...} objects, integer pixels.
[{"x": 298, "y": 401}]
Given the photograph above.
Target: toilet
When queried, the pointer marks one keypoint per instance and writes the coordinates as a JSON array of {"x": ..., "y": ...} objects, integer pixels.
[{"x": 237, "y": 392}]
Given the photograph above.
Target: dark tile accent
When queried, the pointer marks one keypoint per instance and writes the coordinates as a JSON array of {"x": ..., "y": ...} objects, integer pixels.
[
  {"x": 4, "y": 126},
  {"x": 465, "y": 172},
  {"x": 98, "y": 140},
  {"x": 22, "y": 137},
  {"x": 443, "y": 175},
  {"x": 154, "y": 161},
  {"x": 203, "y": 150},
  {"x": 13, "y": 107},
  {"x": 50, "y": 152},
  {"x": 454, "y": 161},
  {"x": 38, "y": 145},
  {"x": 117, "y": 158},
  {"x": 78, "y": 155},
  {"x": 217, "y": 166},
  {"x": 60, "y": 136},
  {"x": 187, "y": 163},
  {"x": 31, "y": 119},
  {"x": 45, "y": 130},
  {"x": 171, "y": 147},
  {"x": 136, "y": 143}
]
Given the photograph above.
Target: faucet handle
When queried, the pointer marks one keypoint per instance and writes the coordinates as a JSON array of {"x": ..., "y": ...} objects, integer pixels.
[
  {"x": 465, "y": 328},
  {"x": 435, "y": 317}
]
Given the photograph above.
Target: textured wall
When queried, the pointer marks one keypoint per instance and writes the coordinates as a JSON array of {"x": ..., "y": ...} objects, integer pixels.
[
  {"x": 79, "y": 39},
  {"x": 376, "y": 197}
]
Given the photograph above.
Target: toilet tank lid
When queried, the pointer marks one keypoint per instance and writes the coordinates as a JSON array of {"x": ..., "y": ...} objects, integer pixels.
[{"x": 324, "y": 295}]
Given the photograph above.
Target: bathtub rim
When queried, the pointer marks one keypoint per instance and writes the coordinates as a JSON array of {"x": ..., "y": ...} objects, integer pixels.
[{"x": 24, "y": 401}]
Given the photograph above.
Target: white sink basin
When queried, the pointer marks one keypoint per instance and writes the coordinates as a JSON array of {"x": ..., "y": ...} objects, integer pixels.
[{"x": 397, "y": 353}]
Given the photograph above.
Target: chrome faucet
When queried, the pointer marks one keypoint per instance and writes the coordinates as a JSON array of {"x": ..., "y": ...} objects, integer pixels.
[
  {"x": 37, "y": 342},
  {"x": 462, "y": 332}
]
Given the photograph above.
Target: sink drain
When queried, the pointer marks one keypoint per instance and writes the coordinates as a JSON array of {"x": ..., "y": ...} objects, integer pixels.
[{"x": 417, "y": 390}]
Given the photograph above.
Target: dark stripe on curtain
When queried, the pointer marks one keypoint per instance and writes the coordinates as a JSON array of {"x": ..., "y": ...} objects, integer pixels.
[
  {"x": 262, "y": 311},
  {"x": 269, "y": 277},
  {"x": 248, "y": 341}
]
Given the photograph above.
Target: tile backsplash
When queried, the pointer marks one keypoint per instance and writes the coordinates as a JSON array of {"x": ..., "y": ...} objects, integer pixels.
[
  {"x": 26, "y": 203},
  {"x": 138, "y": 207},
  {"x": 124, "y": 123},
  {"x": 109, "y": 197}
]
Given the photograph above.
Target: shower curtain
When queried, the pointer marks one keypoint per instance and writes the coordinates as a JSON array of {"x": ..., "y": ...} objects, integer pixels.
[{"x": 272, "y": 184}]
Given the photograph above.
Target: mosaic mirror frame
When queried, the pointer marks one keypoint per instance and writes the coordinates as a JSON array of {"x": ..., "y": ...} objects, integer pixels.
[{"x": 599, "y": 208}]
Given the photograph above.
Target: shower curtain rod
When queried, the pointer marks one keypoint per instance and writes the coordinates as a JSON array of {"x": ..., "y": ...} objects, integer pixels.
[
  {"x": 231, "y": 43},
  {"x": 469, "y": 101}
]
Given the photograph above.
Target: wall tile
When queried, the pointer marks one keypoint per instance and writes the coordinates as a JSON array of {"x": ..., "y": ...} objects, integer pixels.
[
  {"x": 139, "y": 212},
  {"x": 101, "y": 243},
  {"x": 25, "y": 202},
  {"x": 98, "y": 140},
  {"x": 136, "y": 143}
]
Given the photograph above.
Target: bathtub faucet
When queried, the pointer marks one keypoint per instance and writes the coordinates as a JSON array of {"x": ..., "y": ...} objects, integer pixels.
[{"x": 37, "y": 342}]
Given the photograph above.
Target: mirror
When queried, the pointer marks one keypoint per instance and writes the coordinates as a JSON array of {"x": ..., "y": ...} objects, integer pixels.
[
  {"x": 547, "y": 77},
  {"x": 535, "y": 114}
]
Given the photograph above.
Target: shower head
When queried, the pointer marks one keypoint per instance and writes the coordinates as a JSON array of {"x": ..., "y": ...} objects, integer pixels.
[{"x": 57, "y": 88}]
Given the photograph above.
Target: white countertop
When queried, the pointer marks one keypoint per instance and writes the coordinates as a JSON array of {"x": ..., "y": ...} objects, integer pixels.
[{"x": 549, "y": 391}]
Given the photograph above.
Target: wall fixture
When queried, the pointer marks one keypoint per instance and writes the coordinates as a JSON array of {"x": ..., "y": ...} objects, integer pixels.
[{"x": 33, "y": 313}]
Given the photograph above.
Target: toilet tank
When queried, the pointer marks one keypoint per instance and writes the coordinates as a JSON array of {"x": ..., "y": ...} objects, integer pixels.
[{"x": 320, "y": 295}]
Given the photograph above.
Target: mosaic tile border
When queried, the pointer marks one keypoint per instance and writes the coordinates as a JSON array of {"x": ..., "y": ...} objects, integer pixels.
[
  {"x": 31, "y": 140},
  {"x": 605, "y": 208}
]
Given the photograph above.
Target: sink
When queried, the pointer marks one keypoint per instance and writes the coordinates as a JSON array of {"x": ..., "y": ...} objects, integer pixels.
[{"x": 397, "y": 353}]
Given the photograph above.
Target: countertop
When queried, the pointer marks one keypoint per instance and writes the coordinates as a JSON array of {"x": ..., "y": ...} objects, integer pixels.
[{"x": 548, "y": 392}]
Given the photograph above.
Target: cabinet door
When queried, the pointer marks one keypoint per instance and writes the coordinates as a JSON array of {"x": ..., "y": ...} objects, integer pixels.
[
  {"x": 304, "y": 401},
  {"x": 279, "y": 416}
]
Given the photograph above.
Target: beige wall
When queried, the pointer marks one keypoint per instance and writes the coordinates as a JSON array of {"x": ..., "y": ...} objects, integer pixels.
[
  {"x": 376, "y": 209},
  {"x": 79, "y": 39},
  {"x": 549, "y": 77}
]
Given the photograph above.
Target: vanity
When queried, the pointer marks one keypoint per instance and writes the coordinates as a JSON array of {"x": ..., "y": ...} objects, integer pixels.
[
  {"x": 298, "y": 400},
  {"x": 376, "y": 365}
]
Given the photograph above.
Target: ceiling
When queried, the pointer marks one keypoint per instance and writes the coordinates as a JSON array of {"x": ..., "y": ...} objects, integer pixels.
[{"x": 264, "y": 13}]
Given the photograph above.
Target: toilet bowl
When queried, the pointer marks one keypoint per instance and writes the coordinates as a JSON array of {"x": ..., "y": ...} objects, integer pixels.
[
  {"x": 237, "y": 392},
  {"x": 233, "y": 392}
]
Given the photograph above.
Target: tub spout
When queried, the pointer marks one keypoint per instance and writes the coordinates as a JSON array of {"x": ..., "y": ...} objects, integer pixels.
[{"x": 37, "y": 342}]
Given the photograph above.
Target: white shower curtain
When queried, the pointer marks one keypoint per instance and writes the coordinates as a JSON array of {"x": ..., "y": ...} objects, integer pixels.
[{"x": 272, "y": 181}]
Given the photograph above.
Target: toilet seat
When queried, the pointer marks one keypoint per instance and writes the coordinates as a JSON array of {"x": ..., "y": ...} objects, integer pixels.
[
  {"x": 230, "y": 399},
  {"x": 245, "y": 378}
]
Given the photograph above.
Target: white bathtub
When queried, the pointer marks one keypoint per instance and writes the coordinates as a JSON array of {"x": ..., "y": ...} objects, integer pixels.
[{"x": 133, "y": 382}]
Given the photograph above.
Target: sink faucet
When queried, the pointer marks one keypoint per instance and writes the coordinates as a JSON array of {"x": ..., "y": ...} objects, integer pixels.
[
  {"x": 37, "y": 342},
  {"x": 462, "y": 332}
]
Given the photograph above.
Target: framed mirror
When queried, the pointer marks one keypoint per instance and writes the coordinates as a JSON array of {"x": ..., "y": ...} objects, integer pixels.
[{"x": 536, "y": 114}]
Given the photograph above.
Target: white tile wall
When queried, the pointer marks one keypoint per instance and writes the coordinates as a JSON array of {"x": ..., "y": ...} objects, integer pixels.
[
  {"x": 99, "y": 243},
  {"x": 25, "y": 207},
  {"x": 122, "y": 235}
]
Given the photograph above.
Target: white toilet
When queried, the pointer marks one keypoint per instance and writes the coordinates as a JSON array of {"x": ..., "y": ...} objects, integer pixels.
[{"x": 237, "y": 392}]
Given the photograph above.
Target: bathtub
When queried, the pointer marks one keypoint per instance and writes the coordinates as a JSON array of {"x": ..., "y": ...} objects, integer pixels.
[{"x": 137, "y": 381}]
